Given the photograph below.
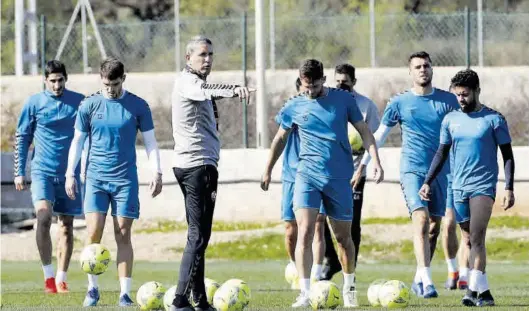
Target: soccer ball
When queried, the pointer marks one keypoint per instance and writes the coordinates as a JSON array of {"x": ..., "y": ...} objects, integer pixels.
[
  {"x": 291, "y": 274},
  {"x": 355, "y": 140},
  {"x": 95, "y": 259},
  {"x": 150, "y": 296},
  {"x": 325, "y": 295},
  {"x": 372, "y": 292},
  {"x": 394, "y": 294},
  {"x": 242, "y": 286},
  {"x": 230, "y": 297},
  {"x": 211, "y": 287},
  {"x": 169, "y": 297}
]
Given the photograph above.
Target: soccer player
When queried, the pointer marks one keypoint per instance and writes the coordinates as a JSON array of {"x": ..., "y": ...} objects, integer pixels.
[
  {"x": 474, "y": 133},
  {"x": 419, "y": 112},
  {"x": 344, "y": 76},
  {"x": 197, "y": 149},
  {"x": 288, "y": 177},
  {"x": 47, "y": 120},
  {"x": 324, "y": 171},
  {"x": 111, "y": 119}
]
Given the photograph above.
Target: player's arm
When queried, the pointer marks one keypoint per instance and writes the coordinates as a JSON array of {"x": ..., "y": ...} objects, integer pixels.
[
  {"x": 74, "y": 155},
  {"x": 508, "y": 164},
  {"x": 84, "y": 160},
  {"x": 277, "y": 147},
  {"x": 198, "y": 90},
  {"x": 23, "y": 139},
  {"x": 153, "y": 153},
  {"x": 371, "y": 146}
]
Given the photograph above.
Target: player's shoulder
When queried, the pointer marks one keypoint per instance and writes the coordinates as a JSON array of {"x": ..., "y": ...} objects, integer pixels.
[
  {"x": 296, "y": 98},
  {"x": 400, "y": 97},
  {"x": 92, "y": 98},
  {"x": 36, "y": 98},
  {"x": 74, "y": 94},
  {"x": 492, "y": 114},
  {"x": 133, "y": 97},
  {"x": 333, "y": 91},
  {"x": 445, "y": 96}
]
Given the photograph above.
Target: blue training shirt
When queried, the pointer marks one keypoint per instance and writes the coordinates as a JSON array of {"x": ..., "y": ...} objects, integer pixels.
[
  {"x": 112, "y": 125},
  {"x": 475, "y": 138},
  {"x": 322, "y": 127},
  {"x": 420, "y": 118},
  {"x": 47, "y": 121},
  {"x": 290, "y": 154}
]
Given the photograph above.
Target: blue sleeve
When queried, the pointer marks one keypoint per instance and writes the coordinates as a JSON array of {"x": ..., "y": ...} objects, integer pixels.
[
  {"x": 284, "y": 117},
  {"x": 446, "y": 138},
  {"x": 24, "y": 136},
  {"x": 353, "y": 113},
  {"x": 501, "y": 130},
  {"x": 391, "y": 114},
  {"x": 453, "y": 104},
  {"x": 82, "y": 122},
  {"x": 145, "y": 122}
]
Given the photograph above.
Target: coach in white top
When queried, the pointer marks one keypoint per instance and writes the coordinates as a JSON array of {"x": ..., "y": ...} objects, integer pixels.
[
  {"x": 197, "y": 147},
  {"x": 344, "y": 76}
]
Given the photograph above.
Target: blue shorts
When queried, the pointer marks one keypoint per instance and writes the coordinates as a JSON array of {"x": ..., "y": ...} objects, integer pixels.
[
  {"x": 287, "y": 202},
  {"x": 462, "y": 198},
  {"x": 53, "y": 189},
  {"x": 449, "y": 195},
  {"x": 411, "y": 183},
  {"x": 335, "y": 194},
  {"x": 122, "y": 196}
]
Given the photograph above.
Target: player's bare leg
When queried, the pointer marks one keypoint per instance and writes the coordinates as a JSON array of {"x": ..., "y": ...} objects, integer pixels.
[
  {"x": 43, "y": 209},
  {"x": 95, "y": 224},
  {"x": 291, "y": 236},
  {"x": 64, "y": 250},
  {"x": 450, "y": 245},
  {"x": 480, "y": 211},
  {"x": 125, "y": 257},
  {"x": 423, "y": 284},
  {"x": 318, "y": 247},
  {"x": 346, "y": 254},
  {"x": 433, "y": 233},
  {"x": 306, "y": 219},
  {"x": 464, "y": 255}
]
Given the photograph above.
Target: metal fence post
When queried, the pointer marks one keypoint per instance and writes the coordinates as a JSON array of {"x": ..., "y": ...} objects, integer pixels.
[
  {"x": 467, "y": 36},
  {"x": 372, "y": 37},
  {"x": 244, "y": 25},
  {"x": 43, "y": 47}
]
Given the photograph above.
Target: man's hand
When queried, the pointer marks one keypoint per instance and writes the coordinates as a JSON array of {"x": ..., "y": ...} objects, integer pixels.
[
  {"x": 424, "y": 192},
  {"x": 71, "y": 187},
  {"x": 243, "y": 92},
  {"x": 508, "y": 200},
  {"x": 265, "y": 181},
  {"x": 378, "y": 174},
  {"x": 357, "y": 176},
  {"x": 155, "y": 187},
  {"x": 20, "y": 183}
]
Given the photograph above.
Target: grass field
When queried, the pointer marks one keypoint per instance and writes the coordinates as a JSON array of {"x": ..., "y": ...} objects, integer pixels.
[{"x": 22, "y": 284}]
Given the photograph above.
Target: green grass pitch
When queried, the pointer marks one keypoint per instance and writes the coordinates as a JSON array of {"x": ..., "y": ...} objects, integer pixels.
[{"x": 22, "y": 284}]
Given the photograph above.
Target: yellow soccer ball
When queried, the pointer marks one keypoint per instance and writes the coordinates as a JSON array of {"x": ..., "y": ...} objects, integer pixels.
[
  {"x": 394, "y": 294},
  {"x": 211, "y": 287},
  {"x": 150, "y": 296},
  {"x": 291, "y": 275},
  {"x": 355, "y": 140},
  {"x": 372, "y": 292},
  {"x": 230, "y": 297},
  {"x": 325, "y": 295},
  {"x": 95, "y": 259}
]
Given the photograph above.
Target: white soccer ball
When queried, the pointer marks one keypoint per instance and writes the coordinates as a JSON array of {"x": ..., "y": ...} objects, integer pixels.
[
  {"x": 291, "y": 274},
  {"x": 95, "y": 259},
  {"x": 150, "y": 296},
  {"x": 372, "y": 292},
  {"x": 230, "y": 297},
  {"x": 325, "y": 295},
  {"x": 394, "y": 294},
  {"x": 169, "y": 297}
]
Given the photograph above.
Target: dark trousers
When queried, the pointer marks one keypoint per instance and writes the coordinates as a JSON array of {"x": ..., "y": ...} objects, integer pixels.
[
  {"x": 330, "y": 253},
  {"x": 199, "y": 186}
]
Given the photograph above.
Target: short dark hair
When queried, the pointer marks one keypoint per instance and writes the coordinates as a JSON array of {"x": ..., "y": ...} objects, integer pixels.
[
  {"x": 346, "y": 69},
  {"x": 112, "y": 68},
  {"x": 298, "y": 84},
  {"x": 55, "y": 66},
  {"x": 466, "y": 78},
  {"x": 311, "y": 69},
  {"x": 421, "y": 54}
]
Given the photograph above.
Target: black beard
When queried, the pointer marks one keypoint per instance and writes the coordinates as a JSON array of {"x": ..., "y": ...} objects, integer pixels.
[
  {"x": 344, "y": 87},
  {"x": 469, "y": 107}
]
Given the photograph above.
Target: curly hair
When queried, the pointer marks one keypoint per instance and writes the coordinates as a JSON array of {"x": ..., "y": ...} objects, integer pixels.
[{"x": 465, "y": 78}]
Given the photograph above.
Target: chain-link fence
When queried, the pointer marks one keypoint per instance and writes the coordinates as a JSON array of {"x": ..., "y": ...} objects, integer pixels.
[{"x": 150, "y": 46}]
